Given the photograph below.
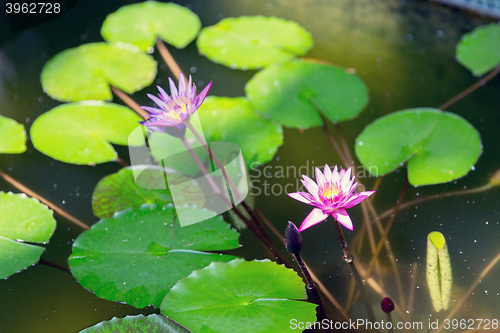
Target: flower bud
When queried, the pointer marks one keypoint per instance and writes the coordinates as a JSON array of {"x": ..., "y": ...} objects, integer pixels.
[
  {"x": 387, "y": 305},
  {"x": 495, "y": 179},
  {"x": 293, "y": 239}
]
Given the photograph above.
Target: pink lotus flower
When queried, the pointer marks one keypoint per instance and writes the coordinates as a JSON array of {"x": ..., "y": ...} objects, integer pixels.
[
  {"x": 331, "y": 195},
  {"x": 174, "y": 109}
]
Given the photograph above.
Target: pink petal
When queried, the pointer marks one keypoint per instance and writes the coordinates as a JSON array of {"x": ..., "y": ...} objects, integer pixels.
[
  {"x": 320, "y": 178},
  {"x": 314, "y": 217},
  {"x": 151, "y": 110},
  {"x": 163, "y": 94},
  {"x": 173, "y": 88},
  {"x": 345, "y": 179},
  {"x": 327, "y": 172},
  {"x": 158, "y": 101},
  {"x": 310, "y": 185},
  {"x": 202, "y": 95},
  {"x": 301, "y": 196},
  {"x": 343, "y": 218},
  {"x": 357, "y": 198},
  {"x": 182, "y": 85}
]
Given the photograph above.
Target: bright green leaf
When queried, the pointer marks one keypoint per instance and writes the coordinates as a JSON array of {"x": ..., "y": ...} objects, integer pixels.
[
  {"x": 22, "y": 219},
  {"x": 479, "y": 50},
  {"x": 120, "y": 191},
  {"x": 87, "y": 71},
  {"x": 139, "y": 24},
  {"x": 292, "y": 93},
  {"x": 439, "y": 146},
  {"x": 233, "y": 120},
  {"x": 239, "y": 297},
  {"x": 137, "y": 255},
  {"x": 82, "y": 132},
  {"x": 138, "y": 324},
  {"x": 252, "y": 42},
  {"x": 12, "y": 136}
]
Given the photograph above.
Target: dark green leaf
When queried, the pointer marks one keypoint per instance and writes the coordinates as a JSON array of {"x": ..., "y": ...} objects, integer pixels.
[
  {"x": 240, "y": 297},
  {"x": 439, "y": 146},
  {"x": 87, "y": 71},
  {"x": 136, "y": 256},
  {"x": 139, "y": 24},
  {"x": 294, "y": 93},
  {"x": 138, "y": 324}
]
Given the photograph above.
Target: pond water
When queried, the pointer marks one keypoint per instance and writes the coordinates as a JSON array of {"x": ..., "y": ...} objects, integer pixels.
[{"x": 403, "y": 50}]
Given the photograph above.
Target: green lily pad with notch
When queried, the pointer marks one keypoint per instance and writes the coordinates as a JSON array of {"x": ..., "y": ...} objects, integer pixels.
[
  {"x": 257, "y": 296},
  {"x": 137, "y": 255},
  {"x": 292, "y": 93},
  {"x": 82, "y": 132},
  {"x": 253, "y": 42},
  {"x": 139, "y": 24},
  {"x": 439, "y": 146},
  {"x": 22, "y": 219},
  {"x": 233, "y": 120},
  {"x": 12, "y": 136},
  {"x": 138, "y": 324},
  {"x": 479, "y": 50},
  {"x": 120, "y": 191},
  {"x": 86, "y": 72}
]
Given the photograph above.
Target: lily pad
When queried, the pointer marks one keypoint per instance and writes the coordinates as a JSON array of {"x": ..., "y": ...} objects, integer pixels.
[
  {"x": 12, "y": 136},
  {"x": 139, "y": 24},
  {"x": 22, "y": 219},
  {"x": 138, "y": 324},
  {"x": 240, "y": 296},
  {"x": 294, "y": 93},
  {"x": 137, "y": 255},
  {"x": 87, "y": 71},
  {"x": 120, "y": 191},
  {"x": 479, "y": 50},
  {"x": 253, "y": 42},
  {"x": 233, "y": 120},
  {"x": 439, "y": 146},
  {"x": 82, "y": 132}
]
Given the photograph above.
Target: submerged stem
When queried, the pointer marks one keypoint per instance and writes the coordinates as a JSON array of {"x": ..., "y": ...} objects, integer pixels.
[
  {"x": 357, "y": 278},
  {"x": 167, "y": 57},
  {"x": 52, "y": 206},
  {"x": 472, "y": 88}
]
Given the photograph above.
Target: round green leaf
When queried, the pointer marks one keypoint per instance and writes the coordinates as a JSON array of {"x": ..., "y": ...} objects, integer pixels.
[
  {"x": 139, "y": 24},
  {"x": 137, "y": 255},
  {"x": 253, "y": 42},
  {"x": 22, "y": 219},
  {"x": 294, "y": 93},
  {"x": 12, "y": 136},
  {"x": 439, "y": 146},
  {"x": 87, "y": 71},
  {"x": 120, "y": 191},
  {"x": 138, "y": 324},
  {"x": 239, "y": 296},
  {"x": 82, "y": 132},
  {"x": 479, "y": 50},
  {"x": 233, "y": 120}
]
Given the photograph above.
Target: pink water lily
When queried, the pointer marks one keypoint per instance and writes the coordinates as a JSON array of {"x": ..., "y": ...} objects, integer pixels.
[
  {"x": 332, "y": 193},
  {"x": 174, "y": 109}
]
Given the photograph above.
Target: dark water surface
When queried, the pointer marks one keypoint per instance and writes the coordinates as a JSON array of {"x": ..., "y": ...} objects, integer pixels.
[{"x": 403, "y": 50}]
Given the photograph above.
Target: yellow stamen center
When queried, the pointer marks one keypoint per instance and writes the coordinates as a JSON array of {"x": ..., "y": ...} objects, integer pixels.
[{"x": 330, "y": 192}]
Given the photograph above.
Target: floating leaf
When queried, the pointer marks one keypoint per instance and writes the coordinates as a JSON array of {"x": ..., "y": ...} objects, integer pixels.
[
  {"x": 292, "y": 93},
  {"x": 22, "y": 219},
  {"x": 137, "y": 255},
  {"x": 87, "y": 71},
  {"x": 138, "y": 324},
  {"x": 139, "y": 24},
  {"x": 252, "y": 42},
  {"x": 233, "y": 120},
  {"x": 439, "y": 146},
  {"x": 12, "y": 136},
  {"x": 82, "y": 132},
  {"x": 479, "y": 50},
  {"x": 120, "y": 191},
  {"x": 240, "y": 296},
  {"x": 438, "y": 271}
]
